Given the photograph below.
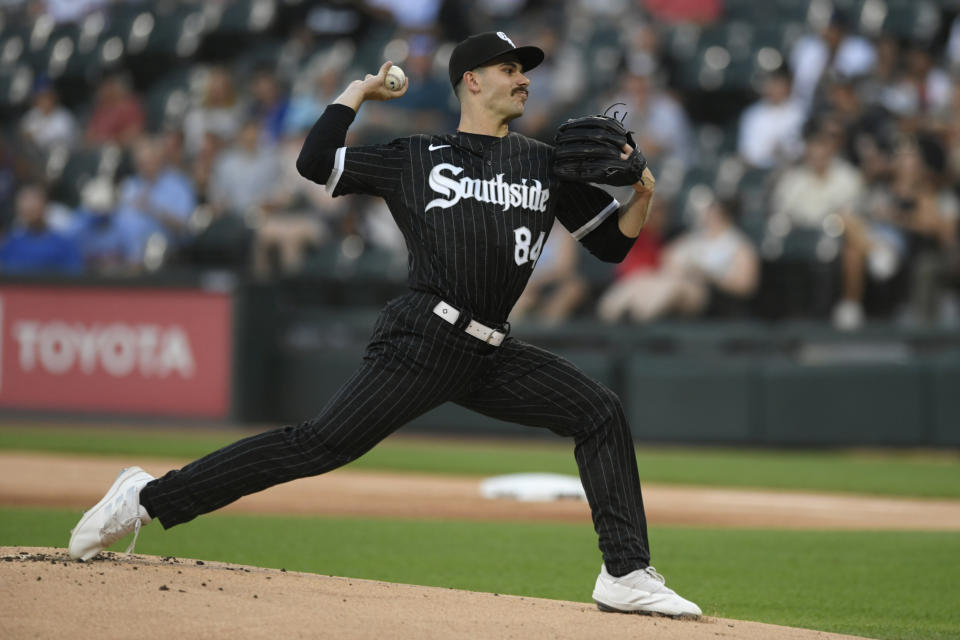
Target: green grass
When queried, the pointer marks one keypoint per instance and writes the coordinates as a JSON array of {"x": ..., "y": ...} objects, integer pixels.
[
  {"x": 881, "y": 473},
  {"x": 877, "y": 584}
]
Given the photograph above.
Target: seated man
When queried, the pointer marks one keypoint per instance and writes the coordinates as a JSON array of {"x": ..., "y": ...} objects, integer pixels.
[
  {"x": 157, "y": 199},
  {"x": 32, "y": 247}
]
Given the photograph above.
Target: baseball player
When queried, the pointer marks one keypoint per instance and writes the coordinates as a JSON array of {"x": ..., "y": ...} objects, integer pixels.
[{"x": 475, "y": 207}]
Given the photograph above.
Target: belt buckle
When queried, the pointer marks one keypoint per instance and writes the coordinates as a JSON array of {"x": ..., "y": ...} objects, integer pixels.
[{"x": 490, "y": 337}]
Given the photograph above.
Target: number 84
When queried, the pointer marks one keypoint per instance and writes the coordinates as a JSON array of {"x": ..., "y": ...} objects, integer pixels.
[{"x": 523, "y": 252}]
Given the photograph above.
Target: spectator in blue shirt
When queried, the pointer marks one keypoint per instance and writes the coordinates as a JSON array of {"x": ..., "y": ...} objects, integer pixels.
[
  {"x": 106, "y": 246},
  {"x": 31, "y": 247},
  {"x": 157, "y": 199},
  {"x": 270, "y": 103}
]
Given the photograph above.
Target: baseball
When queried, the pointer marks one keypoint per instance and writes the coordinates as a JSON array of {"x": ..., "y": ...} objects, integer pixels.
[{"x": 395, "y": 78}]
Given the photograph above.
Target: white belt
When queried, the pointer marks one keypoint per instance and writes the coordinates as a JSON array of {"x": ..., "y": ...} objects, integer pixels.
[{"x": 474, "y": 328}]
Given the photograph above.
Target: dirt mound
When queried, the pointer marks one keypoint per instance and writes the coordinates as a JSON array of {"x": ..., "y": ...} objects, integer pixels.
[{"x": 45, "y": 594}]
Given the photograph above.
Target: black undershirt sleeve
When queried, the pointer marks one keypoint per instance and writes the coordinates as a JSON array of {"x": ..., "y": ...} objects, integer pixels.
[
  {"x": 607, "y": 242},
  {"x": 328, "y": 134}
]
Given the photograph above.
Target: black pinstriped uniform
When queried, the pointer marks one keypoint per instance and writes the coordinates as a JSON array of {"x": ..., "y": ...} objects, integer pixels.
[{"x": 475, "y": 211}]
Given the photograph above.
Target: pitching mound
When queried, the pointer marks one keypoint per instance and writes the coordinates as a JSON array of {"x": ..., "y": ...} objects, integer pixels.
[{"x": 43, "y": 594}]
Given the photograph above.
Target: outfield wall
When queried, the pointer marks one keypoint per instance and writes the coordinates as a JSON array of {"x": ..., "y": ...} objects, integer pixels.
[{"x": 215, "y": 348}]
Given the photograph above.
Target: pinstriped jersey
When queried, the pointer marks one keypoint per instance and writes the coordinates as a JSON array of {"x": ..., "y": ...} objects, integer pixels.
[{"x": 475, "y": 210}]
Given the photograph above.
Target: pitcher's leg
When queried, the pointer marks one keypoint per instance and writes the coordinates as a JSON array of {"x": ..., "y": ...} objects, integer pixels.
[
  {"x": 383, "y": 395},
  {"x": 533, "y": 387}
]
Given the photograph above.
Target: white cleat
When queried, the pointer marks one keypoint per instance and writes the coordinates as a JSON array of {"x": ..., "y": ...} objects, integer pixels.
[
  {"x": 117, "y": 515},
  {"x": 641, "y": 591}
]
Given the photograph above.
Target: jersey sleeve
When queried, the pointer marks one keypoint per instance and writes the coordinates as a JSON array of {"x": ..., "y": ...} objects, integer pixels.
[
  {"x": 591, "y": 215},
  {"x": 374, "y": 170}
]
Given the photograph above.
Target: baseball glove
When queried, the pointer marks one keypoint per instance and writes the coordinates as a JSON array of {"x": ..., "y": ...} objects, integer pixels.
[{"x": 588, "y": 149}]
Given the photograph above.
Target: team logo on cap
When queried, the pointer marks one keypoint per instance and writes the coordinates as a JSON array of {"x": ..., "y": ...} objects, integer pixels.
[{"x": 503, "y": 36}]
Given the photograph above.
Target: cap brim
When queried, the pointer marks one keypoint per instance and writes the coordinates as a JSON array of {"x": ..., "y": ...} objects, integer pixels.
[{"x": 528, "y": 56}]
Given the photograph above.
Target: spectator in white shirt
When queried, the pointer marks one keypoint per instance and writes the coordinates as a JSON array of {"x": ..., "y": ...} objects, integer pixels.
[
  {"x": 770, "y": 128},
  {"x": 821, "y": 186},
  {"x": 48, "y": 124}
]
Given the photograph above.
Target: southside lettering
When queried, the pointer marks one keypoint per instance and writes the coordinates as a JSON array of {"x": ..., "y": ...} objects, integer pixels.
[{"x": 506, "y": 194}]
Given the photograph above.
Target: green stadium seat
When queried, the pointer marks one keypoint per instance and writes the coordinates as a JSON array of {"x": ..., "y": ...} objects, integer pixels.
[
  {"x": 168, "y": 99},
  {"x": 178, "y": 31},
  {"x": 16, "y": 85},
  {"x": 241, "y": 16},
  {"x": 68, "y": 172},
  {"x": 682, "y": 41},
  {"x": 913, "y": 19},
  {"x": 132, "y": 23}
]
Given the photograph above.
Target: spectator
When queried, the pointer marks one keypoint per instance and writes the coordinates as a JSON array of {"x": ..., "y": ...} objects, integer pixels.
[
  {"x": 822, "y": 185},
  {"x": 885, "y": 72},
  {"x": 157, "y": 199},
  {"x": 105, "y": 244},
  {"x": 244, "y": 177},
  {"x": 684, "y": 11},
  {"x": 835, "y": 50},
  {"x": 48, "y": 124},
  {"x": 117, "y": 116},
  {"x": 555, "y": 288},
  {"x": 644, "y": 258},
  {"x": 770, "y": 128},
  {"x": 906, "y": 224},
  {"x": 317, "y": 87},
  {"x": 409, "y": 14},
  {"x": 295, "y": 217},
  {"x": 31, "y": 246},
  {"x": 868, "y": 130},
  {"x": 270, "y": 103},
  {"x": 426, "y": 102},
  {"x": 11, "y": 173},
  {"x": 922, "y": 88},
  {"x": 220, "y": 112},
  {"x": 713, "y": 268},
  {"x": 203, "y": 164},
  {"x": 558, "y": 81},
  {"x": 661, "y": 125},
  {"x": 73, "y": 10}
]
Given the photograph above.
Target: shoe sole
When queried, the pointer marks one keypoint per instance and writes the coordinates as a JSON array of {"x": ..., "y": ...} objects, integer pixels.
[
  {"x": 125, "y": 475},
  {"x": 676, "y": 616}
]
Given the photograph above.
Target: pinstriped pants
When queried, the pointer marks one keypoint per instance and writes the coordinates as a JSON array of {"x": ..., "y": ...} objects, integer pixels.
[{"x": 415, "y": 361}]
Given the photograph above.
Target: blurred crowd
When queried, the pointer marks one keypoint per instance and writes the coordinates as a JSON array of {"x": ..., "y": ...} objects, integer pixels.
[{"x": 807, "y": 152}]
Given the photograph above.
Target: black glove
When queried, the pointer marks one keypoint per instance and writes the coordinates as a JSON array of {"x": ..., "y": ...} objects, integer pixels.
[{"x": 588, "y": 149}]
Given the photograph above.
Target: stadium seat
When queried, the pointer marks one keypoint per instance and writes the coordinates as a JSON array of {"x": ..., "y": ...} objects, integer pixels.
[
  {"x": 168, "y": 99},
  {"x": 917, "y": 20},
  {"x": 16, "y": 84},
  {"x": 68, "y": 172},
  {"x": 682, "y": 41},
  {"x": 132, "y": 23},
  {"x": 177, "y": 33},
  {"x": 264, "y": 53},
  {"x": 241, "y": 16},
  {"x": 84, "y": 63}
]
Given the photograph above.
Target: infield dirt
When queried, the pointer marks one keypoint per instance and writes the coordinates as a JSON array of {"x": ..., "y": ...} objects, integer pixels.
[
  {"x": 43, "y": 594},
  {"x": 77, "y": 482}
]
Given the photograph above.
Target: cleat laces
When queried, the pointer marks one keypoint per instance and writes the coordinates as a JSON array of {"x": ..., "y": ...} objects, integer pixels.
[{"x": 118, "y": 525}]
